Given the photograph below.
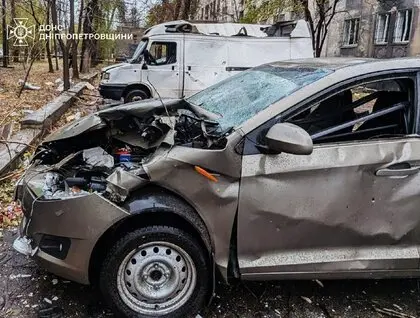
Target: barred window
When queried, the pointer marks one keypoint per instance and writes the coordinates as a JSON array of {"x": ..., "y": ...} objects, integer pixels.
[
  {"x": 351, "y": 31},
  {"x": 403, "y": 26},
  {"x": 382, "y": 27}
]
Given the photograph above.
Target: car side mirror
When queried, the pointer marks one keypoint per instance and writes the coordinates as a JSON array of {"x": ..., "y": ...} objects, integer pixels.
[
  {"x": 144, "y": 66},
  {"x": 289, "y": 138}
]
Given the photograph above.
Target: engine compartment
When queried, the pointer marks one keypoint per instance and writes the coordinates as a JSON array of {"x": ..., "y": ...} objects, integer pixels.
[{"x": 101, "y": 157}]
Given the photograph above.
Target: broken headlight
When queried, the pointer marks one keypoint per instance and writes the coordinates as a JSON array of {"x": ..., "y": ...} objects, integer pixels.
[{"x": 52, "y": 185}]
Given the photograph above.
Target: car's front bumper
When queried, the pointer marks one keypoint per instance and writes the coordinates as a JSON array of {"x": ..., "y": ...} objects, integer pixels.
[
  {"x": 62, "y": 233},
  {"x": 112, "y": 91}
]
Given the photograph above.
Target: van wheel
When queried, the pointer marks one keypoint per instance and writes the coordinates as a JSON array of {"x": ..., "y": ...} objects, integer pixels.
[
  {"x": 135, "y": 95},
  {"x": 156, "y": 271}
]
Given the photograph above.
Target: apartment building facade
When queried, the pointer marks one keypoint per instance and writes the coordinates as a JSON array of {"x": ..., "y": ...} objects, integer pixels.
[{"x": 380, "y": 29}]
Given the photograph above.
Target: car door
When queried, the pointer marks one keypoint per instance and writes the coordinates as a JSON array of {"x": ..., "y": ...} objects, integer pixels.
[
  {"x": 352, "y": 206},
  {"x": 163, "y": 70}
]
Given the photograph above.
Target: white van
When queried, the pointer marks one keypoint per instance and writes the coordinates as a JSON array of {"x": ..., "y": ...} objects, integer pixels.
[{"x": 177, "y": 59}]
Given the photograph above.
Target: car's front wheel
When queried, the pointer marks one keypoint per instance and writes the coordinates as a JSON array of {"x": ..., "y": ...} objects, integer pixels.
[{"x": 157, "y": 271}]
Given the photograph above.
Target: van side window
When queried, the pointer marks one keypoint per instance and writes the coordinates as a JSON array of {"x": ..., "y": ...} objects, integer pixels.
[
  {"x": 162, "y": 53},
  {"x": 373, "y": 110}
]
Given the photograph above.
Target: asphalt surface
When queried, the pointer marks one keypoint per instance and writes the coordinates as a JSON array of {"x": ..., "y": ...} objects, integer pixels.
[{"x": 28, "y": 291}]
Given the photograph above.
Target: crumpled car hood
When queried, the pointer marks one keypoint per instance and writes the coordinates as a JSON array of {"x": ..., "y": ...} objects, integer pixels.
[{"x": 95, "y": 121}]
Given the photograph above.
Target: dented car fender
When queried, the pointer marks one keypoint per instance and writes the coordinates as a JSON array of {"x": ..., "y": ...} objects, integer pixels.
[{"x": 155, "y": 199}]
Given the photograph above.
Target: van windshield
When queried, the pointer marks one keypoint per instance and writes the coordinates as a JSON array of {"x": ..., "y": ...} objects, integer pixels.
[
  {"x": 136, "y": 58},
  {"x": 240, "y": 97}
]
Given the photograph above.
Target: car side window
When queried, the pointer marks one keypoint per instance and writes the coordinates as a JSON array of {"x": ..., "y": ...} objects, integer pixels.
[
  {"x": 162, "y": 53},
  {"x": 377, "y": 109}
]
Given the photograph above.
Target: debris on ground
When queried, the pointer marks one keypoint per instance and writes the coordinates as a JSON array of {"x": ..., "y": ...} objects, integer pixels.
[
  {"x": 77, "y": 115},
  {"x": 12, "y": 276},
  {"x": 90, "y": 87},
  {"x": 319, "y": 282},
  {"x": 50, "y": 312},
  {"x": 6, "y": 131},
  {"x": 308, "y": 300},
  {"x": 392, "y": 313},
  {"x": 11, "y": 106},
  {"x": 48, "y": 301},
  {"x": 10, "y": 212},
  {"x": 27, "y": 85}
]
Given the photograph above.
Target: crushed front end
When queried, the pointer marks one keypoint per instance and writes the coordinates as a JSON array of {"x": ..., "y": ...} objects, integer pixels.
[{"x": 81, "y": 175}]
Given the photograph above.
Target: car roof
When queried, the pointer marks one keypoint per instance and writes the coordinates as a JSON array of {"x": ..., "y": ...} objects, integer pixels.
[{"x": 367, "y": 64}]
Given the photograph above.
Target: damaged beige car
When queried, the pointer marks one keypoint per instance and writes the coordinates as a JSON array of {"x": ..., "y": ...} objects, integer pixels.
[{"x": 304, "y": 169}]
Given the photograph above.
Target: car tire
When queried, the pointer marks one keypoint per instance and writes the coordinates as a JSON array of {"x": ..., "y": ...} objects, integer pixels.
[
  {"x": 135, "y": 95},
  {"x": 161, "y": 256}
]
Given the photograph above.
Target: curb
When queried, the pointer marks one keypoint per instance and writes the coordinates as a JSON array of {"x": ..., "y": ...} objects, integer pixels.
[
  {"x": 17, "y": 146},
  {"x": 49, "y": 113}
]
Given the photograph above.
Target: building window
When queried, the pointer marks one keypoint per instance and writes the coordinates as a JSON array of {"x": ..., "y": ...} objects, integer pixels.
[
  {"x": 381, "y": 32},
  {"x": 403, "y": 26},
  {"x": 207, "y": 11},
  {"x": 351, "y": 32}
]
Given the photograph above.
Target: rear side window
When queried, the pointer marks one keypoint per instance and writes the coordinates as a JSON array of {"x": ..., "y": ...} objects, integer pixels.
[
  {"x": 162, "y": 53},
  {"x": 377, "y": 109}
]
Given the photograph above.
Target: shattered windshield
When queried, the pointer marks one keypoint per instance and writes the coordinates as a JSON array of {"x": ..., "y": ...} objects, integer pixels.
[
  {"x": 138, "y": 52},
  {"x": 240, "y": 97}
]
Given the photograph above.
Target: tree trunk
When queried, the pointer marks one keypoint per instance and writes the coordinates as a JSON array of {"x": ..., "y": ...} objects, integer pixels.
[
  {"x": 4, "y": 27},
  {"x": 15, "y": 49},
  {"x": 177, "y": 10},
  {"x": 66, "y": 69},
  {"x": 88, "y": 45},
  {"x": 73, "y": 43},
  {"x": 186, "y": 10},
  {"x": 63, "y": 46},
  {"x": 56, "y": 54},
  {"x": 47, "y": 43}
]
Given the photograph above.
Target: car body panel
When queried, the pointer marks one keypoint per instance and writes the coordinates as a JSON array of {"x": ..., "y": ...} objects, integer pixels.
[
  {"x": 215, "y": 202},
  {"x": 329, "y": 211},
  {"x": 82, "y": 219}
]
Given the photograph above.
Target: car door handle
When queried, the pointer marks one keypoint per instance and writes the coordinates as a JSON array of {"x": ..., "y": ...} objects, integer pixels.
[{"x": 389, "y": 172}]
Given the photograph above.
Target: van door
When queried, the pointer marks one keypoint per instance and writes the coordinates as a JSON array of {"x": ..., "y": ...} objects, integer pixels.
[
  {"x": 205, "y": 63},
  {"x": 163, "y": 68}
]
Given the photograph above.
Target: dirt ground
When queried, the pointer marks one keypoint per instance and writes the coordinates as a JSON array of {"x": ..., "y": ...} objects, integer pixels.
[
  {"x": 26, "y": 290},
  {"x": 12, "y": 107}
]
